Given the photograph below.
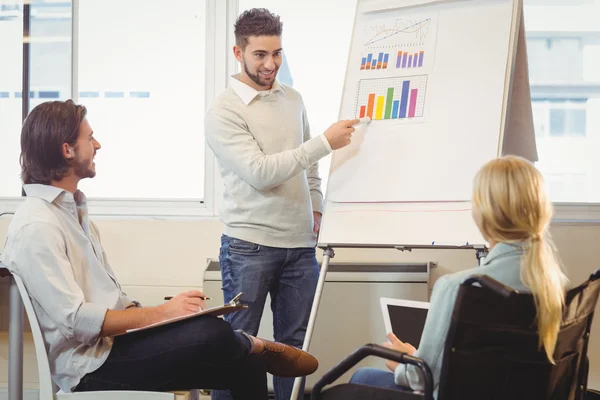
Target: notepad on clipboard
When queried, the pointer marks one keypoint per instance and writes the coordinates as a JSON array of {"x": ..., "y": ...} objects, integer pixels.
[{"x": 227, "y": 308}]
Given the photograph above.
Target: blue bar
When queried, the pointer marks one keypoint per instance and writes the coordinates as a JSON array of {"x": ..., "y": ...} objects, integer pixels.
[
  {"x": 410, "y": 61},
  {"x": 139, "y": 95},
  {"x": 369, "y": 58},
  {"x": 4, "y": 95},
  {"x": 380, "y": 58},
  {"x": 395, "y": 108},
  {"x": 114, "y": 95},
  {"x": 363, "y": 62},
  {"x": 89, "y": 94},
  {"x": 386, "y": 58},
  {"x": 373, "y": 64},
  {"x": 404, "y": 61},
  {"x": 404, "y": 99}
]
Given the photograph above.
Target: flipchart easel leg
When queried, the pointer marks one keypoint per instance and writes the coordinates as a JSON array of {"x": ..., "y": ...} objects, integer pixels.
[{"x": 327, "y": 255}]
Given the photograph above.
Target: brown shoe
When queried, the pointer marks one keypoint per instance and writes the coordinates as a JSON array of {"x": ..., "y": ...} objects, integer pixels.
[{"x": 287, "y": 361}]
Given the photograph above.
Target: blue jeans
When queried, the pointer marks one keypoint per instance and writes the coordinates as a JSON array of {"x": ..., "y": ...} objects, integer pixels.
[
  {"x": 289, "y": 276},
  {"x": 376, "y": 377}
]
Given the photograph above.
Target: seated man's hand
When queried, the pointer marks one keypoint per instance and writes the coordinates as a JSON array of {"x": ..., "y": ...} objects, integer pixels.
[
  {"x": 183, "y": 304},
  {"x": 396, "y": 344}
]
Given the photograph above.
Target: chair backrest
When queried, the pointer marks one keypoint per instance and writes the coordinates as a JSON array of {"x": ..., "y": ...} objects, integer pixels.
[
  {"x": 46, "y": 385},
  {"x": 492, "y": 349}
]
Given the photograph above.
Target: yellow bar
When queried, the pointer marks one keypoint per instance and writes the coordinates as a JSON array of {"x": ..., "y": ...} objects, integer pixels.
[{"x": 379, "y": 109}]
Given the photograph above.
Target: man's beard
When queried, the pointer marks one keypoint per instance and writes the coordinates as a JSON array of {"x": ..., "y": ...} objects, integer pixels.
[{"x": 255, "y": 78}]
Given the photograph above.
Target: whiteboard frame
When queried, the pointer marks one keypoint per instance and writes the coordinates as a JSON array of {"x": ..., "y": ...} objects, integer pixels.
[{"x": 517, "y": 28}]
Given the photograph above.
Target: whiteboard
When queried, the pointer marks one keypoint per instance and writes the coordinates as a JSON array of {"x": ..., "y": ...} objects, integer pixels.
[{"x": 437, "y": 117}]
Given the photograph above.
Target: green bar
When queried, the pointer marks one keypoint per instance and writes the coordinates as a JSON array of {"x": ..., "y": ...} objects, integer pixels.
[{"x": 388, "y": 103}]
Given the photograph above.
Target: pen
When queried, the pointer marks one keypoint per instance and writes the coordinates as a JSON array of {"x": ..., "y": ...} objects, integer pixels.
[{"x": 201, "y": 298}]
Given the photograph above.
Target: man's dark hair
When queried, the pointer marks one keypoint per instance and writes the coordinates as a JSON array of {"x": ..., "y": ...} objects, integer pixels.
[
  {"x": 256, "y": 22},
  {"x": 44, "y": 131}
]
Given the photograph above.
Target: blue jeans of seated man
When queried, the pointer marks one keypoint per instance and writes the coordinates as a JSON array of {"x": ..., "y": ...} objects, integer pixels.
[
  {"x": 378, "y": 378},
  {"x": 289, "y": 276}
]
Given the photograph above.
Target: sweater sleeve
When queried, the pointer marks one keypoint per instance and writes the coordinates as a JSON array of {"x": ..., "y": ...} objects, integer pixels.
[
  {"x": 314, "y": 180},
  {"x": 235, "y": 147}
]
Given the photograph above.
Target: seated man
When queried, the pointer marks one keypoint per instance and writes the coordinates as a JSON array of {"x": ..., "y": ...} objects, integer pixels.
[{"x": 56, "y": 250}]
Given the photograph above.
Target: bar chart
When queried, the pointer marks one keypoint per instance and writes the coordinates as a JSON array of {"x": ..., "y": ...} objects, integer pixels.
[
  {"x": 375, "y": 61},
  {"x": 391, "y": 98},
  {"x": 409, "y": 60}
]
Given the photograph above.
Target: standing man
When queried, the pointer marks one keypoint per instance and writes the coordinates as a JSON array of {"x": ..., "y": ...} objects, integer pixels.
[{"x": 273, "y": 202}]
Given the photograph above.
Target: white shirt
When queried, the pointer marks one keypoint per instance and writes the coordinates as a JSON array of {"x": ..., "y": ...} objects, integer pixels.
[{"x": 55, "y": 249}]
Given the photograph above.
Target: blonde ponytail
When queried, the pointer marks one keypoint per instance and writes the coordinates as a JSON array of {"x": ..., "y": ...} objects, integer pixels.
[
  {"x": 510, "y": 205},
  {"x": 542, "y": 273}
]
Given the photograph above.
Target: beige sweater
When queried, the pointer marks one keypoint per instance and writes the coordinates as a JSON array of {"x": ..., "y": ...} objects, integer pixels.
[{"x": 268, "y": 163}]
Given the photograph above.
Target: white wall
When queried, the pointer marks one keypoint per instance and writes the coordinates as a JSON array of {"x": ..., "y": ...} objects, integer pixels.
[{"x": 155, "y": 258}]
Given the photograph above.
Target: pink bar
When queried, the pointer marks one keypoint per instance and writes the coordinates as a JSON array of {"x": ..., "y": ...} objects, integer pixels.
[{"x": 413, "y": 103}]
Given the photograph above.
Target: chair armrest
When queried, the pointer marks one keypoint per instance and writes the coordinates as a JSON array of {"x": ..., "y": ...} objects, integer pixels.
[{"x": 378, "y": 351}]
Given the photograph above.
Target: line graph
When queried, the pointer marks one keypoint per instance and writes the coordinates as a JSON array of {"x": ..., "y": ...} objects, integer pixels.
[{"x": 399, "y": 33}]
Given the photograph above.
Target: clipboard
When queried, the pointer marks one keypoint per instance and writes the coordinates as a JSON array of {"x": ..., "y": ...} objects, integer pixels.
[{"x": 227, "y": 308}]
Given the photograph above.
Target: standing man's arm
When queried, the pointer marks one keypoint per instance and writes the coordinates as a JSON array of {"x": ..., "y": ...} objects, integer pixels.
[{"x": 229, "y": 138}]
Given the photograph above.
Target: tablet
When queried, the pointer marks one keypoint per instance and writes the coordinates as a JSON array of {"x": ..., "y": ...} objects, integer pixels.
[{"x": 406, "y": 318}]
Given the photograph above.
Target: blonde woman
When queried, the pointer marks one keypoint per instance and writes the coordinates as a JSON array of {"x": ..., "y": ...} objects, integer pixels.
[{"x": 512, "y": 210}]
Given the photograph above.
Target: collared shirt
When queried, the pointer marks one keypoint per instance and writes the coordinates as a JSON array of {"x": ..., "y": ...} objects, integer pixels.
[
  {"x": 55, "y": 249},
  {"x": 248, "y": 93},
  {"x": 503, "y": 263}
]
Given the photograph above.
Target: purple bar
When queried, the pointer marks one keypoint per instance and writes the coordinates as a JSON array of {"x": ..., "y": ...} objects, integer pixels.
[
  {"x": 398, "y": 59},
  {"x": 421, "y": 59},
  {"x": 415, "y": 59},
  {"x": 410, "y": 61},
  {"x": 404, "y": 60},
  {"x": 413, "y": 103}
]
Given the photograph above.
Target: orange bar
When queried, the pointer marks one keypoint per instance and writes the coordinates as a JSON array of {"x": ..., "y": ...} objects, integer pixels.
[
  {"x": 362, "y": 66},
  {"x": 368, "y": 66},
  {"x": 370, "y": 105},
  {"x": 378, "y": 65},
  {"x": 385, "y": 65},
  {"x": 362, "y": 111}
]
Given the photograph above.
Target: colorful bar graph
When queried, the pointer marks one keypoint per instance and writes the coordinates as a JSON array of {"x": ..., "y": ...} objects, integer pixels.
[
  {"x": 395, "y": 108},
  {"x": 370, "y": 105},
  {"x": 413, "y": 103},
  {"x": 406, "y": 60},
  {"x": 391, "y": 98},
  {"x": 375, "y": 61},
  {"x": 379, "y": 109}
]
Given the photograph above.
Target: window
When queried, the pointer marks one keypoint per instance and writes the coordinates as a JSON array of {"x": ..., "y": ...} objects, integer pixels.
[
  {"x": 563, "y": 45},
  {"x": 11, "y": 48},
  {"x": 142, "y": 82}
]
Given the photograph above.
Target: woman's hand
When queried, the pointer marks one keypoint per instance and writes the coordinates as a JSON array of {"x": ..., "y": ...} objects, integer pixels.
[{"x": 396, "y": 344}]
